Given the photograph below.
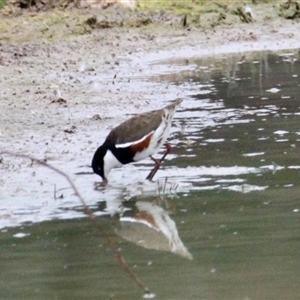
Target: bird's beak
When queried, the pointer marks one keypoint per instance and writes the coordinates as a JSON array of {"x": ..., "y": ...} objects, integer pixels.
[{"x": 100, "y": 185}]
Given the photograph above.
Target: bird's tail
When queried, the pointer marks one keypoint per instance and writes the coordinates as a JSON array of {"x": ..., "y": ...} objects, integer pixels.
[{"x": 174, "y": 104}]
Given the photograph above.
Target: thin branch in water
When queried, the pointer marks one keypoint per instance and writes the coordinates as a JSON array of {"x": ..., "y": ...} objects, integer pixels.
[
  {"x": 54, "y": 191},
  {"x": 120, "y": 258}
]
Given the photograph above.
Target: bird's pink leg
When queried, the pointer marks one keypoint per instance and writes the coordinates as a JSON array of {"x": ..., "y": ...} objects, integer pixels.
[{"x": 158, "y": 162}]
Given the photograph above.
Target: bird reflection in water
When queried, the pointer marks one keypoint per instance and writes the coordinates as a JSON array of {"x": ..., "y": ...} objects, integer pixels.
[{"x": 150, "y": 226}]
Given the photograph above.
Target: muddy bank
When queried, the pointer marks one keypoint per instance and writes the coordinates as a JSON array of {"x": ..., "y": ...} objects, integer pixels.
[{"x": 94, "y": 73}]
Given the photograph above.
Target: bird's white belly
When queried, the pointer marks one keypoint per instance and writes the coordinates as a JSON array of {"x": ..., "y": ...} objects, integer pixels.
[{"x": 158, "y": 139}]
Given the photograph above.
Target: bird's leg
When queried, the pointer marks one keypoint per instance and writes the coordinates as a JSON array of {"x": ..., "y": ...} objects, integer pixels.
[
  {"x": 158, "y": 162},
  {"x": 98, "y": 186},
  {"x": 168, "y": 150},
  {"x": 155, "y": 169}
]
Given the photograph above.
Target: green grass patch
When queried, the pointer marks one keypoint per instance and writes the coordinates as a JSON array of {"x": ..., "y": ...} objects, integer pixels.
[
  {"x": 2, "y": 3},
  {"x": 177, "y": 7},
  {"x": 180, "y": 7}
]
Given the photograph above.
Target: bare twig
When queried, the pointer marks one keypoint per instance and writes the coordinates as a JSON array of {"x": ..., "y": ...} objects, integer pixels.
[
  {"x": 120, "y": 258},
  {"x": 54, "y": 191}
]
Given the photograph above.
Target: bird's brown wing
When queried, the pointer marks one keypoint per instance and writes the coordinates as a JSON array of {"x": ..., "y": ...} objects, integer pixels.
[
  {"x": 139, "y": 126},
  {"x": 135, "y": 128}
]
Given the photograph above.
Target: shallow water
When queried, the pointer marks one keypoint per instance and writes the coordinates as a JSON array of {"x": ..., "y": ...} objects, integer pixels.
[{"x": 232, "y": 190}]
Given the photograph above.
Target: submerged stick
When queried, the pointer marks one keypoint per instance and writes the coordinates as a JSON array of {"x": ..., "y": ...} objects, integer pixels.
[{"x": 120, "y": 258}]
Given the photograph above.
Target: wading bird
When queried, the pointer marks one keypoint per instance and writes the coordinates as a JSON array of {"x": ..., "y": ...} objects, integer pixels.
[{"x": 135, "y": 139}]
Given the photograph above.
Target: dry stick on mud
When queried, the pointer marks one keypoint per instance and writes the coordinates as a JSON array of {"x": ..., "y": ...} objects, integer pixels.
[{"x": 120, "y": 258}]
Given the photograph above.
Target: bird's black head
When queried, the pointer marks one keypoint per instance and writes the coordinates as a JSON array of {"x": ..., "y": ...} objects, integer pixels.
[{"x": 98, "y": 161}]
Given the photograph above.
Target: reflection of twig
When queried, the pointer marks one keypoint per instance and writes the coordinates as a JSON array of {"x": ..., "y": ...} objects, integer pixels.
[{"x": 120, "y": 258}]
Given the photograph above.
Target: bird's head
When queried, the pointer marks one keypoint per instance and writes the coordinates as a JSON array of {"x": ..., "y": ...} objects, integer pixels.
[{"x": 98, "y": 162}]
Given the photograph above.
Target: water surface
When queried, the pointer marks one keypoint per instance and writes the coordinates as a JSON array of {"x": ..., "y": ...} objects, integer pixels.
[{"x": 230, "y": 200}]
